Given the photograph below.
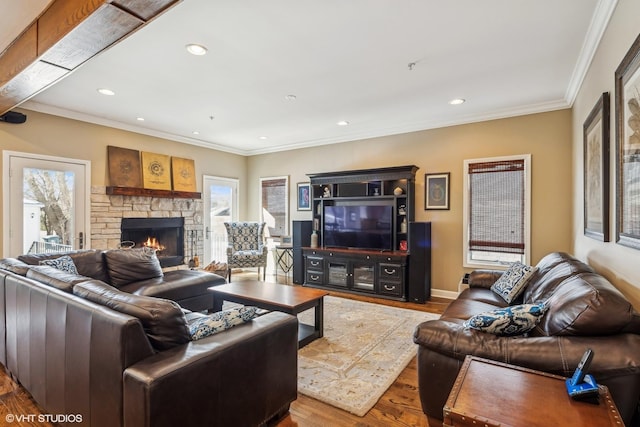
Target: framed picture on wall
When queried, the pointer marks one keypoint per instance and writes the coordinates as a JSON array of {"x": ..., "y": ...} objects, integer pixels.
[
  {"x": 436, "y": 189},
  {"x": 304, "y": 196},
  {"x": 627, "y": 83},
  {"x": 596, "y": 170}
]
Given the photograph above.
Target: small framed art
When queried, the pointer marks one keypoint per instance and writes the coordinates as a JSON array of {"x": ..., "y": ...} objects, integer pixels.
[
  {"x": 436, "y": 189},
  {"x": 304, "y": 196},
  {"x": 596, "y": 171}
]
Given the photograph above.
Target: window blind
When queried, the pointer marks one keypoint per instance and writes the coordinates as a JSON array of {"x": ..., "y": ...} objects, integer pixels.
[{"x": 497, "y": 206}]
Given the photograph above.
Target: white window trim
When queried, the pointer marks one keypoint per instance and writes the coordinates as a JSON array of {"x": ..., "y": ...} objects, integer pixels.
[{"x": 467, "y": 262}]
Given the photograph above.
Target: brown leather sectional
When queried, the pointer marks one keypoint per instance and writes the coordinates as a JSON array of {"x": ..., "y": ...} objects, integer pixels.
[
  {"x": 585, "y": 311},
  {"x": 99, "y": 353}
]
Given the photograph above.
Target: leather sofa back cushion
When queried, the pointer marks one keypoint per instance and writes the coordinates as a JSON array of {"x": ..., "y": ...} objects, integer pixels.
[
  {"x": 586, "y": 304},
  {"x": 54, "y": 277},
  {"x": 88, "y": 262},
  {"x": 131, "y": 265},
  {"x": 163, "y": 320},
  {"x": 552, "y": 270},
  {"x": 14, "y": 265}
]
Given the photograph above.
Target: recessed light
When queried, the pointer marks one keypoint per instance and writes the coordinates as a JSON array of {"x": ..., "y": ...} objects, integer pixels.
[
  {"x": 342, "y": 123},
  {"x": 107, "y": 92},
  {"x": 140, "y": 119},
  {"x": 196, "y": 49},
  {"x": 263, "y": 137},
  {"x": 195, "y": 132},
  {"x": 457, "y": 101}
]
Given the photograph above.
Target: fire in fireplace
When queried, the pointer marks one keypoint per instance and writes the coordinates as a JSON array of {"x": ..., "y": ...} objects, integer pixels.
[{"x": 165, "y": 235}]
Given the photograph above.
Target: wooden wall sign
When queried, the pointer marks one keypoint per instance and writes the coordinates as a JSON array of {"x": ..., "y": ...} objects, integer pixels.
[
  {"x": 124, "y": 167},
  {"x": 183, "y": 172},
  {"x": 156, "y": 171}
]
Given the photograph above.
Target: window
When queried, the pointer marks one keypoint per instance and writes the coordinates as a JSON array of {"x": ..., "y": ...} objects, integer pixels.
[
  {"x": 274, "y": 205},
  {"x": 497, "y": 212}
]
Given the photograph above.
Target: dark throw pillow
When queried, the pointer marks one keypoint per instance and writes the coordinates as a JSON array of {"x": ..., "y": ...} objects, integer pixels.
[
  {"x": 512, "y": 283},
  {"x": 508, "y": 321},
  {"x": 63, "y": 263},
  {"x": 204, "y": 326}
]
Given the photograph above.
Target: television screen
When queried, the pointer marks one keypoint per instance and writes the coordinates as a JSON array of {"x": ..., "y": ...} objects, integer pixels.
[{"x": 358, "y": 227}]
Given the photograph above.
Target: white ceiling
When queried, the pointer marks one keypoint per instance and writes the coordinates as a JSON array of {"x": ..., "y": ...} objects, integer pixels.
[{"x": 343, "y": 60}]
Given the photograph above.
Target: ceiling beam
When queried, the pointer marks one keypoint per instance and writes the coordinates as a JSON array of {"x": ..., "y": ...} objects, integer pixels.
[{"x": 67, "y": 34}]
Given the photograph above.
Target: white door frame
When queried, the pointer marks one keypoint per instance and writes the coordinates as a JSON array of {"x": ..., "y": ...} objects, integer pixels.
[
  {"x": 206, "y": 214},
  {"x": 7, "y": 203}
]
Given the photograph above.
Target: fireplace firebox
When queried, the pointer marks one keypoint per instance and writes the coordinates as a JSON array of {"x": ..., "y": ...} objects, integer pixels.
[{"x": 165, "y": 235}]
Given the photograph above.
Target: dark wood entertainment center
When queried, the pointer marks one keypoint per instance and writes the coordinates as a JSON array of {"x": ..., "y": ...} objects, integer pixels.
[{"x": 368, "y": 241}]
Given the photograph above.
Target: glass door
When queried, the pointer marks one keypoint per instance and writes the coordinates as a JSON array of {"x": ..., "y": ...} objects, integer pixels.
[
  {"x": 47, "y": 207},
  {"x": 364, "y": 276},
  {"x": 220, "y": 197}
]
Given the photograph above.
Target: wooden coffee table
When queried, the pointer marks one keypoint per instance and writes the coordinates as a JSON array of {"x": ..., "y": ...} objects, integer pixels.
[
  {"x": 275, "y": 297},
  {"x": 491, "y": 394}
]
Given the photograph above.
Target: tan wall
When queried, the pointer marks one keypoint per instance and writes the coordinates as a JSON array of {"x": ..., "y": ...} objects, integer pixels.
[
  {"x": 55, "y": 136},
  {"x": 618, "y": 263},
  {"x": 547, "y": 137}
]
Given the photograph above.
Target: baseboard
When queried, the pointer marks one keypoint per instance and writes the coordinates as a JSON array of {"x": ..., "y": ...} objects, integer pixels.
[{"x": 440, "y": 293}]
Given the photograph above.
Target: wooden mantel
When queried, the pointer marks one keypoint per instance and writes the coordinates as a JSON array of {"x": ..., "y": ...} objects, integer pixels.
[{"x": 148, "y": 192}]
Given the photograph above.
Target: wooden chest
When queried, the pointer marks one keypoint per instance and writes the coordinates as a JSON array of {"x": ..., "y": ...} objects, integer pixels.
[{"x": 489, "y": 393}]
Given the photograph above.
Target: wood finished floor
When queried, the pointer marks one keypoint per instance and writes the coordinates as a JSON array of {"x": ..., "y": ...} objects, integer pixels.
[{"x": 399, "y": 406}]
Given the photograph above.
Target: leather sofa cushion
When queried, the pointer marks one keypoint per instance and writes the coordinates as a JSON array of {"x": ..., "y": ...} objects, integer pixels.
[
  {"x": 131, "y": 265},
  {"x": 163, "y": 320},
  {"x": 550, "y": 272},
  {"x": 14, "y": 265},
  {"x": 88, "y": 262},
  {"x": 586, "y": 304},
  {"x": 54, "y": 277}
]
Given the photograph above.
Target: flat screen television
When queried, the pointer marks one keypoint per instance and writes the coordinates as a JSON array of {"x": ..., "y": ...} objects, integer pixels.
[{"x": 358, "y": 227}]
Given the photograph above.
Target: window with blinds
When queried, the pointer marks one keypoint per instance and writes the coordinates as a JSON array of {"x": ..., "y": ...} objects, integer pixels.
[
  {"x": 497, "y": 212},
  {"x": 274, "y": 204}
]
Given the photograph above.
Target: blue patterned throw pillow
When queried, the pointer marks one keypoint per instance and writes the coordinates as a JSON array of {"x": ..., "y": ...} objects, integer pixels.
[
  {"x": 204, "y": 326},
  {"x": 64, "y": 263},
  {"x": 508, "y": 321},
  {"x": 512, "y": 283}
]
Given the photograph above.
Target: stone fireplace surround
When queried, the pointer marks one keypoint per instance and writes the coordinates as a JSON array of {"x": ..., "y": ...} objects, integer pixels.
[{"x": 107, "y": 212}]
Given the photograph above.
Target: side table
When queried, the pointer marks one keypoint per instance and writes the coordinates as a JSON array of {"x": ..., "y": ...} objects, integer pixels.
[
  {"x": 489, "y": 394},
  {"x": 283, "y": 255}
]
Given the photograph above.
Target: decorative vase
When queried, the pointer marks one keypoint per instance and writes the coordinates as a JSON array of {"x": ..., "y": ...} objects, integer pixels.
[
  {"x": 403, "y": 225},
  {"x": 397, "y": 191},
  {"x": 314, "y": 239}
]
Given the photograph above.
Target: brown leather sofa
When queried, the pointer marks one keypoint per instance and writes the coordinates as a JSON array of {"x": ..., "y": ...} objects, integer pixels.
[
  {"x": 132, "y": 271},
  {"x": 97, "y": 354},
  {"x": 585, "y": 311}
]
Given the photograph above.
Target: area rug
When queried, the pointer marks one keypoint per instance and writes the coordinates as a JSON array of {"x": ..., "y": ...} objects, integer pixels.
[{"x": 364, "y": 349}]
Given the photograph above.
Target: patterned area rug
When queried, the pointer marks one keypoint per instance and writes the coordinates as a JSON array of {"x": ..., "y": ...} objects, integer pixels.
[{"x": 364, "y": 349}]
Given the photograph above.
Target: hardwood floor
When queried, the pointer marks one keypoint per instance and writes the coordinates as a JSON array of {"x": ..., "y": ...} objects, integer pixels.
[{"x": 399, "y": 406}]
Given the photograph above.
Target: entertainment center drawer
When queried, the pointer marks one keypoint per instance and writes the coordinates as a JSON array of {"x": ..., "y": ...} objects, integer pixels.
[
  {"x": 391, "y": 288},
  {"x": 315, "y": 277},
  {"x": 315, "y": 263},
  {"x": 390, "y": 272}
]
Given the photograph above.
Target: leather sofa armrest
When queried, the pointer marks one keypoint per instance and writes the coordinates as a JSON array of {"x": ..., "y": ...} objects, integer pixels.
[
  {"x": 484, "y": 278},
  {"x": 210, "y": 379}
]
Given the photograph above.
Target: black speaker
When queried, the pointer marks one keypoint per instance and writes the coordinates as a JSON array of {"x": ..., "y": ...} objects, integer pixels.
[
  {"x": 13, "y": 117},
  {"x": 419, "y": 286},
  {"x": 301, "y": 238}
]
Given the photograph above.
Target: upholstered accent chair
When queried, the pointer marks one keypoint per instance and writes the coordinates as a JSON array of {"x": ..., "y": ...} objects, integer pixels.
[{"x": 246, "y": 248}]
